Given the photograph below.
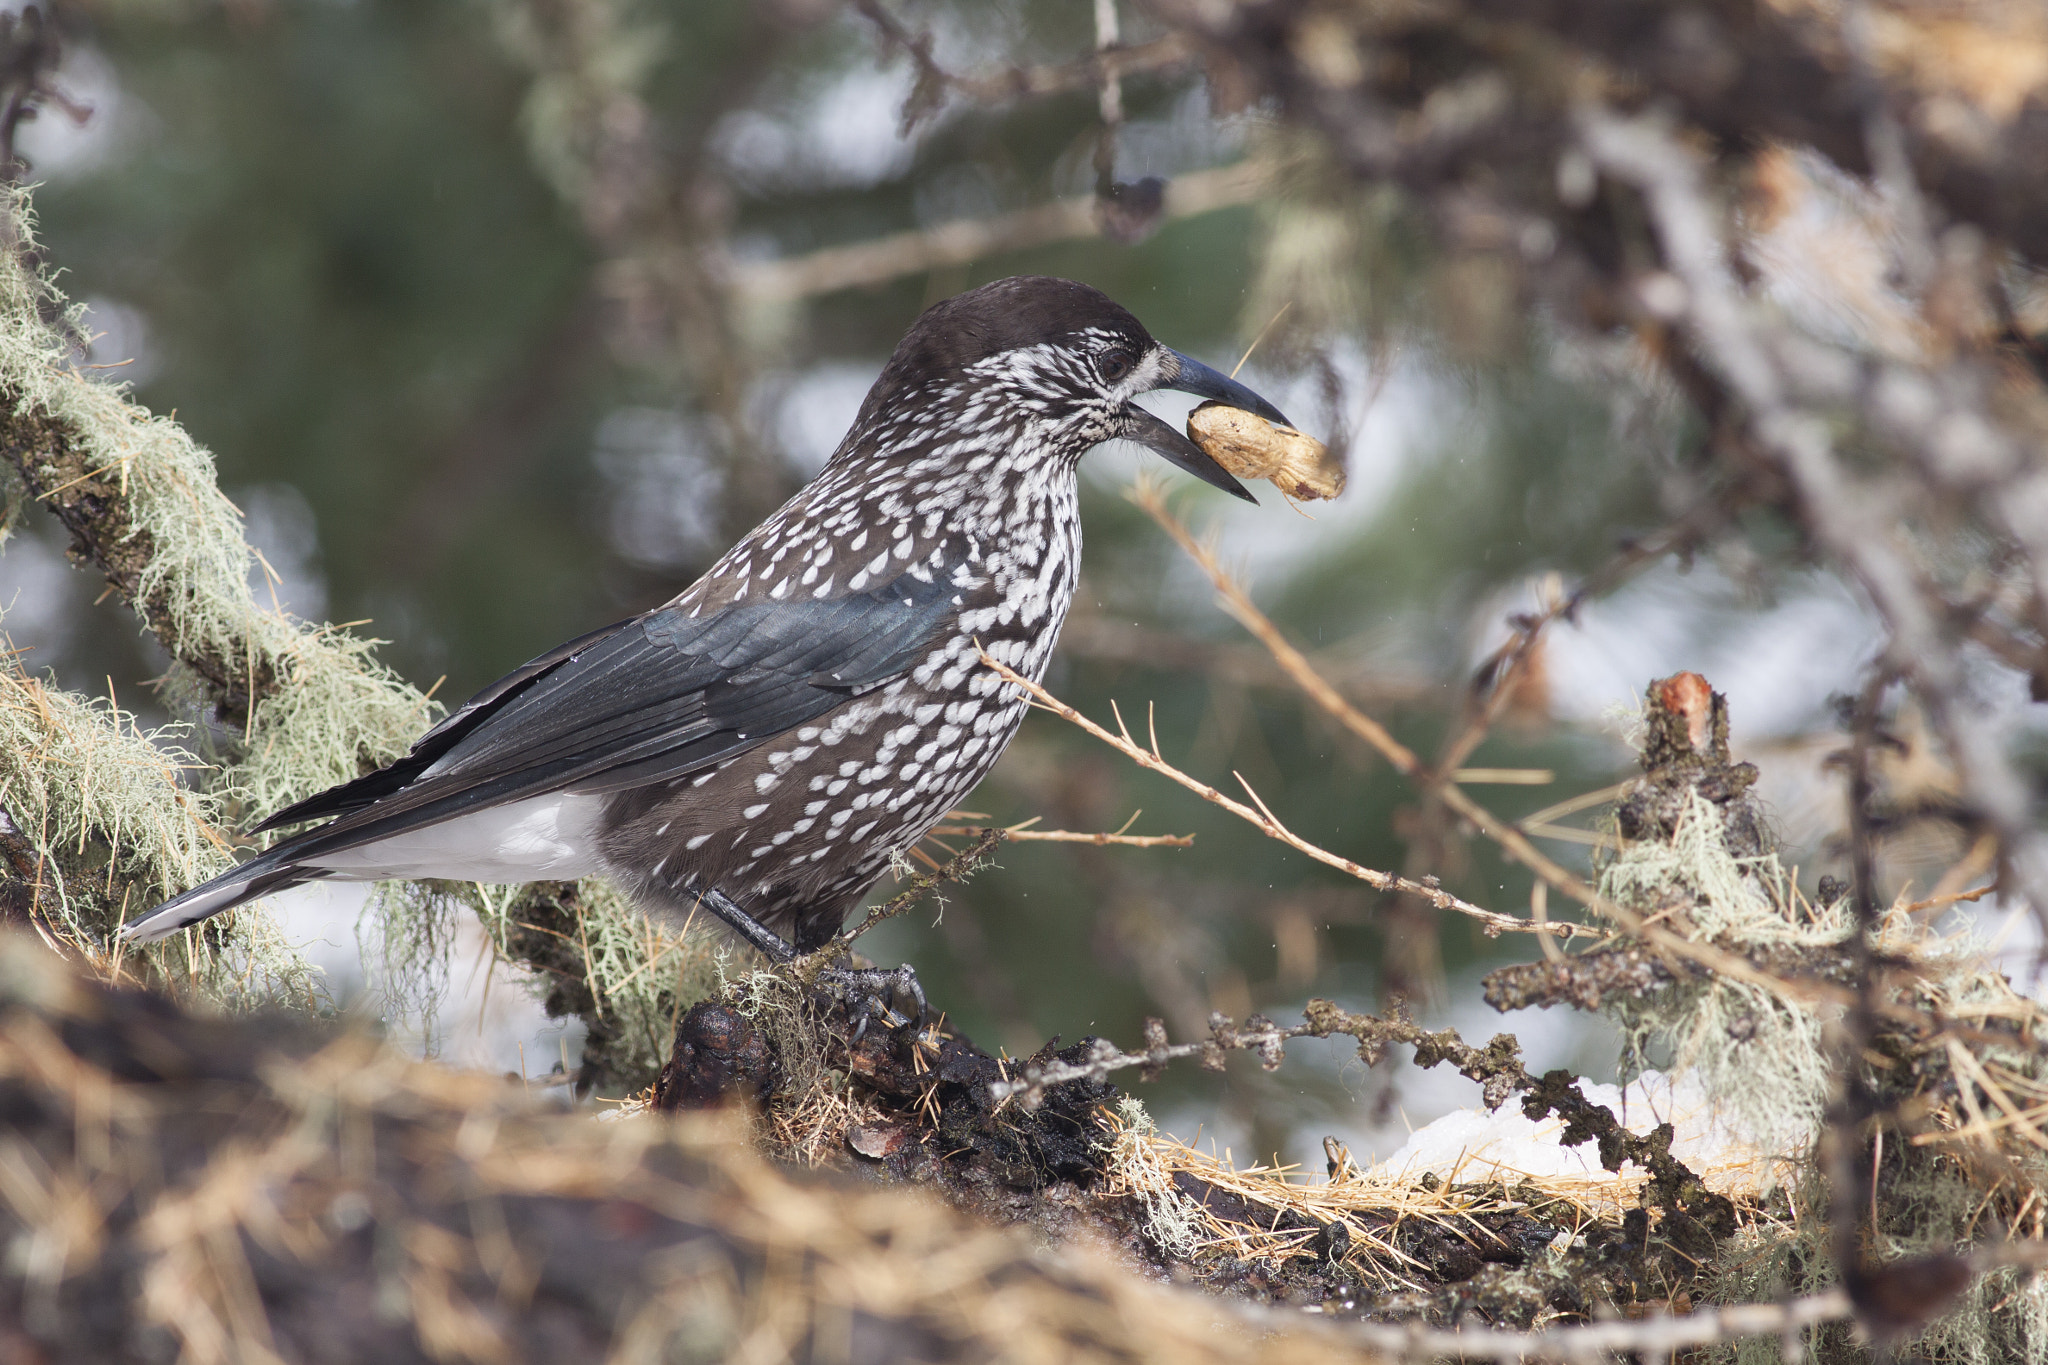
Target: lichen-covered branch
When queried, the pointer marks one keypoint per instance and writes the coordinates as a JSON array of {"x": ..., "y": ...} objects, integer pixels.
[
  {"x": 108, "y": 824},
  {"x": 299, "y": 707}
]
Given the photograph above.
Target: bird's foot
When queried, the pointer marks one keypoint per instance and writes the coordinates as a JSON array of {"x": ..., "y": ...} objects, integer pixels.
[{"x": 874, "y": 993}]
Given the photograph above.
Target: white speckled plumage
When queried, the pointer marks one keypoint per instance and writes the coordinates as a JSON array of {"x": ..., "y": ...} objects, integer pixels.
[
  {"x": 995, "y": 497},
  {"x": 778, "y": 733}
]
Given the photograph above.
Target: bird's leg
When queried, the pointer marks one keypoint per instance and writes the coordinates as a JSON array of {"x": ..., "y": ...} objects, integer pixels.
[
  {"x": 867, "y": 992},
  {"x": 776, "y": 947}
]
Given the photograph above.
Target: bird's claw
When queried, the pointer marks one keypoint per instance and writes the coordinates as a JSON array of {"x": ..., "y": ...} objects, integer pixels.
[{"x": 871, "y": 993}]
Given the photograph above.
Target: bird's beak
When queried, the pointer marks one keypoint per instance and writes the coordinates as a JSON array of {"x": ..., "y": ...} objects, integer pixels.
[
  {"x": 1198, "y": 379},
  {"x": 1147, "y": 430},
  {"x": 1191, "y": 376}
]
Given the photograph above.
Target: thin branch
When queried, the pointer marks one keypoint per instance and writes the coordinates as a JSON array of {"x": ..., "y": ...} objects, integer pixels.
[
  {"x": 1109, "y": 96},
  {"x": 1090, "y": 635},
  {"x": 31, "y": 53},
  {"x": 966, "y": 240},
  {"x": 1856, "y": 1104},
  {"x": 1654, "y": 1338},
  {"x": 1493, "y": 922},
  {"x": 1296, "y": 666},
  {"x": 1021, "y": 835},
  {"x": 998, "y": 84},
  {"x": 962, "y": 866},
  {"x": 1975, "y": 893}
]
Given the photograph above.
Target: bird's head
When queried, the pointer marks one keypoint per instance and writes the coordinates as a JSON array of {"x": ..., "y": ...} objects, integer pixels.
[{"x": 1042, "y": 367}]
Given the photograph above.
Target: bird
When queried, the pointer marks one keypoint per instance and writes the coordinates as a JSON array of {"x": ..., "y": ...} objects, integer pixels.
[{"x": 766, "y": 743}]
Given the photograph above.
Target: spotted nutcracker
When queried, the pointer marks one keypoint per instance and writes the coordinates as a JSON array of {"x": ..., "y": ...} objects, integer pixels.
[{"x": 765, "y": 743}]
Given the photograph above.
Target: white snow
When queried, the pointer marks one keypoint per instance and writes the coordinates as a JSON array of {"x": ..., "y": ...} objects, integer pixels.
[{"x": 1468, "y": 1145}]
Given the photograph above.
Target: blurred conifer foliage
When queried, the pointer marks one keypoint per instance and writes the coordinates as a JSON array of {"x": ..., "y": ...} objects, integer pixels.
[{"x": 504, "y": 317}]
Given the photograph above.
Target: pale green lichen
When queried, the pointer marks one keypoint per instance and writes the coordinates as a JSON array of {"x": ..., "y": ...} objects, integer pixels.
[
  {"x": 330, "y": 708},
  {"x": 325, "y": 711},
  {"x": 1760, "y": 1055},
  {"x": 1926, "y": 1206},
  {"x": 1765, "y": 1059},
  {"x": 1135, "y": 1167},
  {"x": 101, "y": 804},
  {"x": 641, "y": 973}
]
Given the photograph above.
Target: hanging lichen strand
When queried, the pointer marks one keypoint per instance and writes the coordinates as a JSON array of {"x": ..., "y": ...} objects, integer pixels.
[{"x": 103, "y": 821}]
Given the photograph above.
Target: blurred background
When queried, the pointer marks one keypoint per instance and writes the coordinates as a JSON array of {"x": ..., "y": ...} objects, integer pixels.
[{"x": 504, "y": 317}]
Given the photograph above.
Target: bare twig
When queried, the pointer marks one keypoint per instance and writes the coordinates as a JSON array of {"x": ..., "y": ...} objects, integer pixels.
[
  {"x": 31, "y": 51},
  {"x": 1653, "y": 1338},
  {"x": 1264, "y": 819},
  {"x": 1023, "y": 835},
  {"x": 1492, "y": 922},
  {"x": 963, "y": 865},
  {"x": 967, "y": 240},
  {"x": 1975, "y": 893},
  {"x": 1296, "y": 666},
  {"x": 1090, "y": 635},
  {"x": 1109, "y": 95},
  {"x": 998, "y": 84},
  {"x": 1856, "y": 1104}
]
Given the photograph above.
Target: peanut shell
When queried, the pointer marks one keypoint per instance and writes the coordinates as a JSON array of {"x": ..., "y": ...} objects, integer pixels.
[{"x": 1250, "y": 447}]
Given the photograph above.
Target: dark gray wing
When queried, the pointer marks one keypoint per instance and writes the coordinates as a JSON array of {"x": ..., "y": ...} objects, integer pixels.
[
  {"x": 657, "y": 698},
  {"x": 434, "y": 743}
]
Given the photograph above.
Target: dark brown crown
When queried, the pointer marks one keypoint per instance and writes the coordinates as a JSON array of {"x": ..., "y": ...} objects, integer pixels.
[{"x": 1023, "y": 310}]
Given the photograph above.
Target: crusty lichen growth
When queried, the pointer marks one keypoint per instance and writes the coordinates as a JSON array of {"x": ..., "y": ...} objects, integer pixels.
[
  {"x": 1139, "y": 1165},
  {"x": 1953, "y": 1171}
]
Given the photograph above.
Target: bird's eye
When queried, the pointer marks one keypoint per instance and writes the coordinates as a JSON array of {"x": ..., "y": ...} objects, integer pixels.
[{"x": 1114, "y": 364}]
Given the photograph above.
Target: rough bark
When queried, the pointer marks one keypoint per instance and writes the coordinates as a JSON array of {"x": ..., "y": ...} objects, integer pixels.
[{"x": 927, "y": 1107}]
